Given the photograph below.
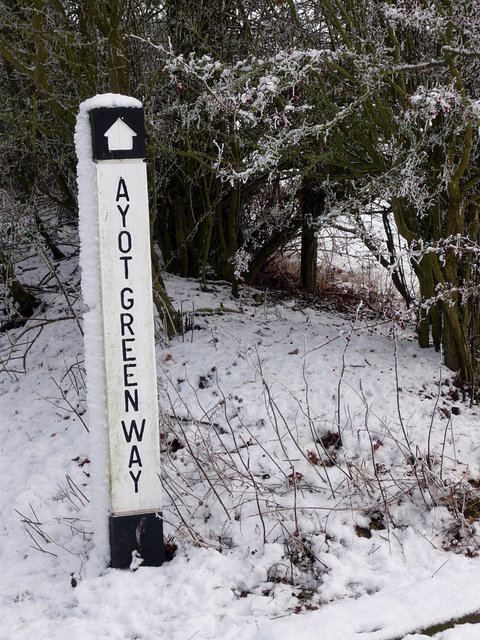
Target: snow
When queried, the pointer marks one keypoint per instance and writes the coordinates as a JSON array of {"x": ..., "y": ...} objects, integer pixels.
[{"x": 246, "y": 393}]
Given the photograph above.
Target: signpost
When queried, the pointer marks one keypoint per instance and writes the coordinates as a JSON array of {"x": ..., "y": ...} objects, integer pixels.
[{"x": 131, "y": 411}]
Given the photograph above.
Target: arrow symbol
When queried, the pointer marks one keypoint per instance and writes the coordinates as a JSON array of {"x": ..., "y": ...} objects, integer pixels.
[{"x": 120, "y": 136}]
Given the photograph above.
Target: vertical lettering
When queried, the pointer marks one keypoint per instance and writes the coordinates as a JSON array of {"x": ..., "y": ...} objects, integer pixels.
[
  {"x": 126, "y": 303},
  {"x": 135, "y": 479},
  {"x": 126, "y": 350},
  {"x": 123, "y": 213},
  {"x": 133, "y": 428},
  {"x": 125, "y": 264},
  {"x": 126, "y": 321},
  {"x": 122, "y": 190},
  {"x": 124, "y": 241},
  {"x": 127, "y": 375},
  {"x": 131, "y": 401},
  {"x": 134, "y": 457}
]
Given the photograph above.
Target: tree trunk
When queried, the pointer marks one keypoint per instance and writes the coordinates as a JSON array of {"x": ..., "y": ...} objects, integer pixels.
[
  {"x": 430, "y": 318},
  {"x": 308, "y": 261},
  {"x": 24, "y": 300},
  {"x": 269, "y": 247},
  {"x": 457, "y": 353},
  {"x": 167, "y": 313},
  {"x": 312, "y": 203}
]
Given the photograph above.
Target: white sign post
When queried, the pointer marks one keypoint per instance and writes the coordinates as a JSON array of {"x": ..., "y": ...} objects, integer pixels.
[{"x": 131, "y": 410}]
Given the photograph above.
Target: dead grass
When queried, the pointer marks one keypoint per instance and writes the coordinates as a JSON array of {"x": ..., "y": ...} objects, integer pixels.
[{"x": 337, "y": 289}]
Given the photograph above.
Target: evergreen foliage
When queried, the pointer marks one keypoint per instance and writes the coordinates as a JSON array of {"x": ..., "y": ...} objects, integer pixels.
[{"x": 266, "y": 120}]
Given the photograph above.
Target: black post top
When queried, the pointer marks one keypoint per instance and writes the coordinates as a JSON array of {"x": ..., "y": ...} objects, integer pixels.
[{"x": 118, "y": 133}]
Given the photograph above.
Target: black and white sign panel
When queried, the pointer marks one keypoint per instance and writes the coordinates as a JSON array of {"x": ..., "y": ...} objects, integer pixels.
[
  {"x": 119, "y": 331},
  {"x": 117, "y": 134},
  {"x": 130, "y": 365}
]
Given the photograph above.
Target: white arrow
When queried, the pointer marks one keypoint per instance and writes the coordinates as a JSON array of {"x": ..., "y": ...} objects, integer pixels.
[{"x": 120, "y": 136}]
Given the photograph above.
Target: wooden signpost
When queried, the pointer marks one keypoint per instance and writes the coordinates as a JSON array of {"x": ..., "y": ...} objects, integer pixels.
[{"x": 118, "y": 152}]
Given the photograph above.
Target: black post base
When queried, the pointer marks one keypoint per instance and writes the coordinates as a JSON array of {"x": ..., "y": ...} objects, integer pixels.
[{"x": 142, "y": 533}]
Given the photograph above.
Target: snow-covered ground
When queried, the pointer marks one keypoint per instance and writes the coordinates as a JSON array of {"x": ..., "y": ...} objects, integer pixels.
[{"x": 319, "y": 480}]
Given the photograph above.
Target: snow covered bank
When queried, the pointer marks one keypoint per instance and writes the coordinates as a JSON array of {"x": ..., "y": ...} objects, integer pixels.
[{"x": 293, "y": 532}]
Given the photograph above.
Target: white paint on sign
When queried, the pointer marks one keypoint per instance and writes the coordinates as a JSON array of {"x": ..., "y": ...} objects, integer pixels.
[
  {"x": 120, "y": 136},
  {"x": 130, "y": 365}
]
